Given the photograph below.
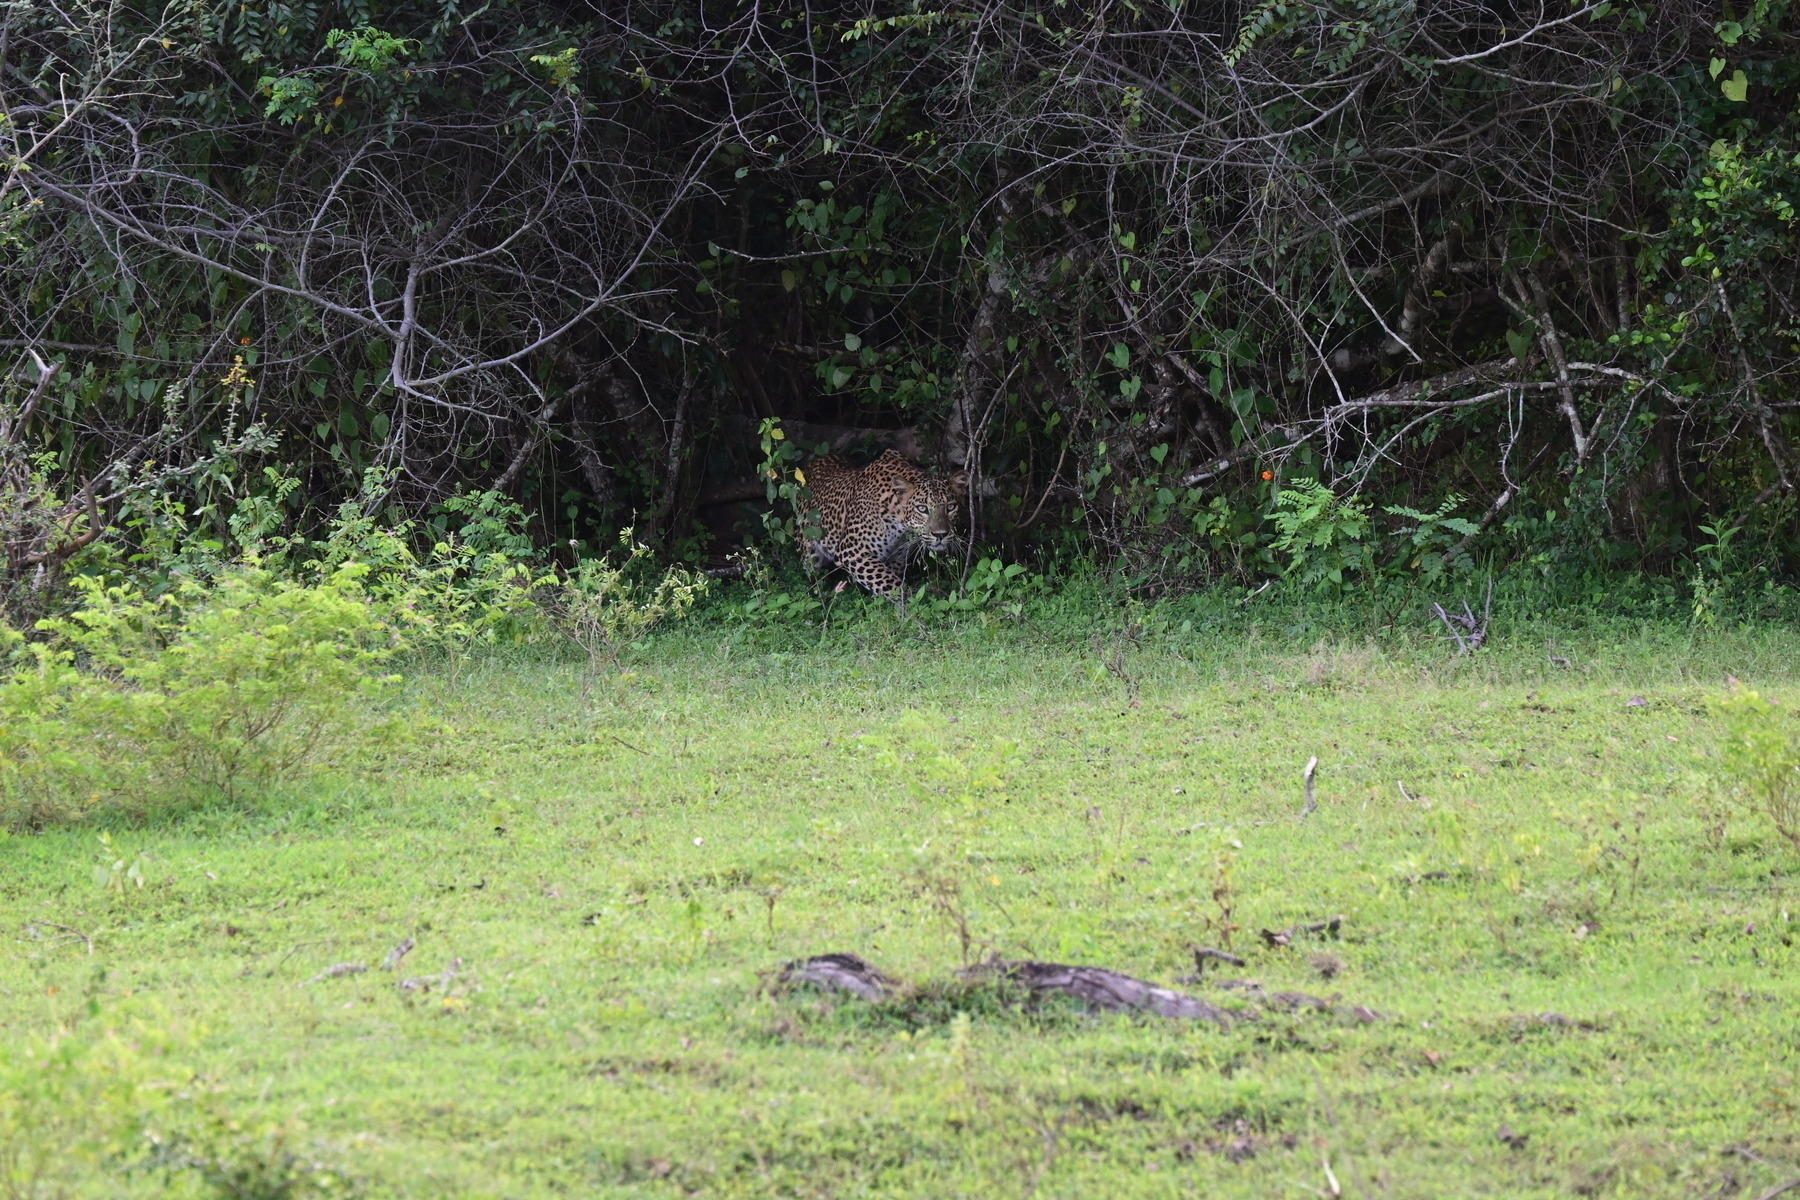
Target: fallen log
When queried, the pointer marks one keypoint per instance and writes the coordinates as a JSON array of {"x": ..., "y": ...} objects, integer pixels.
[
  {"x": 838, "y": 973},
  {"x": 1104, "y": 990}
]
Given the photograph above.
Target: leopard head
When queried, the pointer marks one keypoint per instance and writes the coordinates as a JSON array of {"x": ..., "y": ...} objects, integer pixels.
[{"x": 928, "y": 510}]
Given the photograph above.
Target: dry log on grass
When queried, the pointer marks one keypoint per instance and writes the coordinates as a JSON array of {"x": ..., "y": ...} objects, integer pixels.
[
  {"x": 839, "y": 973},
  {"x": 1105, "y": 990}
]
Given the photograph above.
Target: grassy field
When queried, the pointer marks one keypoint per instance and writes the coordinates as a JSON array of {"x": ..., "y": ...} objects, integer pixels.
[{"x": 1578, "y": 974}]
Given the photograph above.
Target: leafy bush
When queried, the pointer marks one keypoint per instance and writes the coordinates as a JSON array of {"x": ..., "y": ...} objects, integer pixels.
[
  {"x": 75, "y": 1105},
  {"x": 97, "y": 1108},
  {"x": 602, "y": 609},
  {"x": 475, "y": 585},
  {"x": 780, "y": 606},
  {"x": 202, "y": 691},
  {"x": 991, "y": 584},
  {"x": 1324, "y": 535},
  {"x": 1435, "y": 543},
  {"x": 1760, "y": 754}
]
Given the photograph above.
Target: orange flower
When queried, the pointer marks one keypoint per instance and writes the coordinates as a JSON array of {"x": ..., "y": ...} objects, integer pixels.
[
  {"x": 1267, "y": 475},
  {"x": 244, "y": 341}
]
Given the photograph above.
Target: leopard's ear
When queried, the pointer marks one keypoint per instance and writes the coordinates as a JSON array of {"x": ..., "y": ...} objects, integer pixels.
[{"x": 959, "y": 483}]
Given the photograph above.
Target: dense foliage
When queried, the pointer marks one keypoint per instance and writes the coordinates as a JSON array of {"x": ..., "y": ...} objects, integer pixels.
[{"x": 1335, "y": 287}]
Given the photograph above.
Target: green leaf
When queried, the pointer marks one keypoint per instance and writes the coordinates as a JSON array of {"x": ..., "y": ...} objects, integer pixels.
[
  {"x": 1737, "y": 88},
  {"x": 1119, "y": 356},
  {"x": 789, "y": 280},
  {"x": 852, "y": 343},
  {"x": 1715, "y": 66}
]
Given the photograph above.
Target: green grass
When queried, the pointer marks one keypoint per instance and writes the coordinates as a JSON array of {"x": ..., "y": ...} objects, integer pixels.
[{"x": 620, "y": 875}]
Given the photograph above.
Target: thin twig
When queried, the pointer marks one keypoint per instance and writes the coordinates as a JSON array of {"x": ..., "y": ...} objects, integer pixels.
[
  {"x": 338, "y": 971},
  {"x": 68, "y": 929}
]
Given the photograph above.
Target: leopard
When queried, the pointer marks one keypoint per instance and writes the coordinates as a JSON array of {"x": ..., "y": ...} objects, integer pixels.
[{"x": 873, "y": 519}]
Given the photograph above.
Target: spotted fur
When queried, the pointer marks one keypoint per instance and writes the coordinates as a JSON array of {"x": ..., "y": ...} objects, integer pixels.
[{"x": 872, "y": 519}]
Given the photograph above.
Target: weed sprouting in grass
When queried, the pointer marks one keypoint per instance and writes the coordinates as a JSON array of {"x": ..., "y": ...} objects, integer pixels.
[
  {"x": 1760, "y": 753},
  {"x": 942, "y": 889},
  {"x": 1610, "y": 828},
  {"x": 1223, "y": 920},
  {"x": 962, "y": 788},
  {"x": 771, "y": 896},
  {"x": 118, "y": 871}
]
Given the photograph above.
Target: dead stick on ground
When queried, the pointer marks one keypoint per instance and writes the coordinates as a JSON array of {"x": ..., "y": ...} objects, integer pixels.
[
  {"x": 338, "y": 972},
  {"x": 1220, "y": 825},
  {"x": 71, "y": 931},
  {"x": 1312, "y": 800},
  {"x": 1204, "y": 953},
  {"x": 1780, "y": 1189},
  {"x": 399, "y": 952}
]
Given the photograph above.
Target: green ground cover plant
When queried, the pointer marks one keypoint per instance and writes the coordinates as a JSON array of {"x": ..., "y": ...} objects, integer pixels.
[{"x": 537, "y": 953}]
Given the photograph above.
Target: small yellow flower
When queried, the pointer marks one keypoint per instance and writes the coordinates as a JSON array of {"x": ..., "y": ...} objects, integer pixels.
[{"x": 237, "y": 376}]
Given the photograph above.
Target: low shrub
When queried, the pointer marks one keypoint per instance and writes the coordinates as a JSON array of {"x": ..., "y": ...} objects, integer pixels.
[
  {"x": 1760, "y": 753},
  {"x": 105, "y": 1106},
  {"x": 77, "y": 1105},
  {"x": 602, "y": 606},
  {"x": 204, "y": 691}
]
